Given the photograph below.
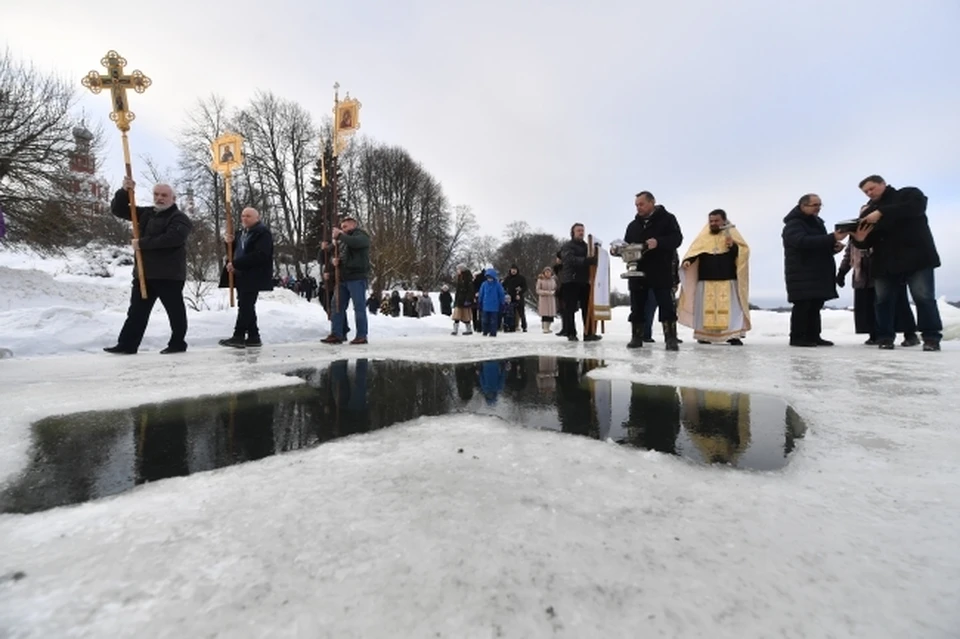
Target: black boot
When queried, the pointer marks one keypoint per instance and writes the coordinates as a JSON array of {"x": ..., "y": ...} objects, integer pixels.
[
  {"x": 636, "y": 335},
  {"x": 236, "y": 341},
  {"x": 670, "y": 336}
]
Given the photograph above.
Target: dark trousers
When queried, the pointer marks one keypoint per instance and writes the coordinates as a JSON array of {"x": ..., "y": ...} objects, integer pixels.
[
  {"x": 170, "y": 294},
  {"x": 246, "y": 326},
  {"x": 921, "y": 285},
  {"x": 522, "y": 314},
  {"x": 477, "y": 316},
  {"x": 865, "y": 312},
  {"x": 575, "y": 295},
  {"x": 489, "y": 322},
  {"x": 649, "y": 312},
  {"x": 639, "y": 303},
  {"x": 805, "y": 321}
]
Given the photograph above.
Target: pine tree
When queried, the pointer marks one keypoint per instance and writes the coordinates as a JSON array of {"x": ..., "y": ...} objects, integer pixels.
[{"x": 319, "y": 221}]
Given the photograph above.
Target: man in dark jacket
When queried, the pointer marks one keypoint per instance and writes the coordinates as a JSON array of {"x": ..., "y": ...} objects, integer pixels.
[
  {"x": 164, "y": 229},
  {"x": 659, "y": 230},
  {"x": 575, "y": 281},
  {"x": 809, "y": 269},
  {"x": 446, "y": 301},
  {"x": 515, "y": 285},
  {"x": 252, "y": 267},
  {"x": 354, "y": 267},
  {"x": 894, "y": 224}
]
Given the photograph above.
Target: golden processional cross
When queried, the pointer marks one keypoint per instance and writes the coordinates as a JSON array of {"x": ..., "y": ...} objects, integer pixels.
[{"x": 118, "y": 82}]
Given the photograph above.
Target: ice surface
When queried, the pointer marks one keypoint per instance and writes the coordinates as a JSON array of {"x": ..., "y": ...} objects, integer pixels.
[{"x": 525, "y": 534}]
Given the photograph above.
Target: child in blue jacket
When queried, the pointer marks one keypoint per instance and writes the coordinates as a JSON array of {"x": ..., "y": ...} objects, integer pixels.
[{"x": 490, "y": 298}]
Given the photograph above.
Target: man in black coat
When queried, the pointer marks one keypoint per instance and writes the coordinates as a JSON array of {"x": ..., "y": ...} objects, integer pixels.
[
  {"x": 446, "y": 301},
  {"x": 252, "y": 268},
  {"x": 575, "y": 283},
  {"x": 164, "y": 229},
  {"x": 894, "y": 224},
  {"x": 659, "y": 230},
  {"x": 515, "y": 285},
  {"x": 809, "y": 269}
]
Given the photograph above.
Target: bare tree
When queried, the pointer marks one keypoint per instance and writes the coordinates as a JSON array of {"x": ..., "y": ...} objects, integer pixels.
[
  {"x": 531, "y": 252},
  {"x": 282, "y": 144},
  {"x": 35, "y": 143},
  {"x": 204, "y": 123}
]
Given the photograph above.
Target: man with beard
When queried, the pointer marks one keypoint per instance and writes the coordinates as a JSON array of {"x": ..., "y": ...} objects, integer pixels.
[
  {"x": 164, "y": 229},
  {"x": 714, "y": 298},
  {"x": 658, "y": 229},
  {"x": 894, "y": 224},
  {"x": 575, "y": 282},
  {"x": 516, "y": 287}
]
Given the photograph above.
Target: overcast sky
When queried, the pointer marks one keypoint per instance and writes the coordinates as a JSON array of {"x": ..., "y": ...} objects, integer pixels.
[{"x": 559, "y": 111}]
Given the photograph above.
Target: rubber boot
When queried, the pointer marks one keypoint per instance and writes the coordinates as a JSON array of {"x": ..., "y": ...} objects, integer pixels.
[
  {"x": 636, "y": 335},
  {"x": 670, "y": 336}
]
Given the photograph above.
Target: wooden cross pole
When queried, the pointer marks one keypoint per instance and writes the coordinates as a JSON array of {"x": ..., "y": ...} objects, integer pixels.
[
  {"x": 118, "y": 82},
  {"x": 228, "y": 214},
  {"x": 346, "y": 121},
  {"x": 227, "y": 152},
  {"x": 590, "y": 325}
]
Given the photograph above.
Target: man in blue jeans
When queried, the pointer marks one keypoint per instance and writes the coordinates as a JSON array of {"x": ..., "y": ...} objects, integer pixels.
[
  {"x": 353, "y": 265},
  {"x": 894, "y": 224}
]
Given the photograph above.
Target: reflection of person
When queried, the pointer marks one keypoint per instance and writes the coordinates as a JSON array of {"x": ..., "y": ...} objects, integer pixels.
[
  {"x": 252, "y": 427},
  {"x": 718, "y": 423},
  {"x": 465, "y": 376},
  {"x": 164, "y": 229},
  {"x": 653, "y": 420},
  {"x": 714, "y": 300},
  {"x": 346, "y": 118},
  {"x": 576, "y": 412},
  {"x": 492, "y": 380},
  {"x": 226, "y": 153},
  {"x": 252, "y": 267},
  {"x": 162, "y": 443},
  {"x": 354, "y": 408}
]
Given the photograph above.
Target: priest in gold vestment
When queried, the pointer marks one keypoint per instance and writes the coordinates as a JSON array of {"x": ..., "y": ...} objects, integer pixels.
[{"x": 714, "y": 300}]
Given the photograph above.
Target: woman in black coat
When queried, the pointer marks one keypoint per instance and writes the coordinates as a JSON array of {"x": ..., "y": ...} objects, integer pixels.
[{"x": 810, "y": 271}]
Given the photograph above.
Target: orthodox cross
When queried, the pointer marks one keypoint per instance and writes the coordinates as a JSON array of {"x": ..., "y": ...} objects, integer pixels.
[{"x": 118, "y": 82}]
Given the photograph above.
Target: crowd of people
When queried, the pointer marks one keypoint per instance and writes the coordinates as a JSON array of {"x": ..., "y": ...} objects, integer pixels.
[{"x": 890, "y": 251}]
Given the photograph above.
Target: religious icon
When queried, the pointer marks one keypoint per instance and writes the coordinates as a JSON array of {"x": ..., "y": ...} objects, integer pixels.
[
  {"x": 348, "y": 116},
  {"x": 227, "y": 151}
]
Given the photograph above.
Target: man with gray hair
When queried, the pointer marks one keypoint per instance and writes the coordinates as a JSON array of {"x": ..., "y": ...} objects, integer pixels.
[
  {"x": 252, "y": 267},
  {"x": 164, "y": 229}
]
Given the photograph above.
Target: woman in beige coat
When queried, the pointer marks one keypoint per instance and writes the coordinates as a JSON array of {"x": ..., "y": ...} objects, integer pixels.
[{"x": 546, "y": 298}]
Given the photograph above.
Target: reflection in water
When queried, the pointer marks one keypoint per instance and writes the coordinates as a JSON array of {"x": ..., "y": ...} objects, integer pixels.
[{"x": 86, "y": 456}]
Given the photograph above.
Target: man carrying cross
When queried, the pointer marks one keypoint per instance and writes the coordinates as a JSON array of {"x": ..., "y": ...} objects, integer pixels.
[{"x": 164, "y": 229}]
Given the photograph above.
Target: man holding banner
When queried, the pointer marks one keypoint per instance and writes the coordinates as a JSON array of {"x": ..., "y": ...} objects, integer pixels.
[{"x": 716, "y": 281}]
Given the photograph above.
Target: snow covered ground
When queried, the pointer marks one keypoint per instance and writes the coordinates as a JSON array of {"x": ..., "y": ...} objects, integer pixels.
[{"x": 529, "y": 534}]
